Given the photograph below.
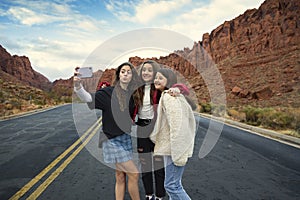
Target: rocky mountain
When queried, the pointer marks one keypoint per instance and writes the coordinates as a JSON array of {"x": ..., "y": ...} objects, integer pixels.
[
  {"x": 257, "y": 55},
  {"x": 19, "y": 68},
  {"x": 23, "y": 89}
]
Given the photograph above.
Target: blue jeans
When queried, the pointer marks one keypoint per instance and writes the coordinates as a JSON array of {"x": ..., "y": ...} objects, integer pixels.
[{"x": 173, "y": 176}]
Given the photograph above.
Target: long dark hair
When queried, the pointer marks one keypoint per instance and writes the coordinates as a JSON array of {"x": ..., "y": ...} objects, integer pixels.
[
  {"x": 131, "y": 88},
  {"x": 171, "y": 77},
  {"x": 155, "y": 67},
  {"x": 134, "y": 80}
]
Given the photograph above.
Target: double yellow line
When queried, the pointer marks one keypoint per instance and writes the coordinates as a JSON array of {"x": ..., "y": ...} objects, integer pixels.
[{"x": 42, "y": 187}]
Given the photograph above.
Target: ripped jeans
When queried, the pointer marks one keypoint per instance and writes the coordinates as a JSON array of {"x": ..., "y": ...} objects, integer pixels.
[{"x": 151, "y": 165}]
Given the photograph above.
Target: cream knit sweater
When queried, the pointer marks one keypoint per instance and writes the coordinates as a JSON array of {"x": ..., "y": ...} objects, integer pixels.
[{"x": 175, "y": 128}]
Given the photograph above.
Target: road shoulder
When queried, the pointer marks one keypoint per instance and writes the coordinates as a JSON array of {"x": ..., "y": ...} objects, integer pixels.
[{"x": 293, "y": 141}]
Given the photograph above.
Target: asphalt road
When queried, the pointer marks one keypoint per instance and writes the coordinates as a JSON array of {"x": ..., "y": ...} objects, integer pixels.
[{"x": 241, "y": 165}]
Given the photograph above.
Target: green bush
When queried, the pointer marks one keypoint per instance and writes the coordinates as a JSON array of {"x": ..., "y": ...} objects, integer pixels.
[
  {"x": 216, "y": 110},
  {"x": 206, "y": 108},
  {"x": 252, "y": 115},
  {"x": 40, "y": 102},
  {"x": 219, "y": 110},
  {"x": 295, "y": 124},
  {"x": 275, "y": 119},
  {"x": 271, "y": 118}
]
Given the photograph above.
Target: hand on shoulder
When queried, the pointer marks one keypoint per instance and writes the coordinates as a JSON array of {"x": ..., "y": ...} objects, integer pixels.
[{"x": 174, "y": 91}]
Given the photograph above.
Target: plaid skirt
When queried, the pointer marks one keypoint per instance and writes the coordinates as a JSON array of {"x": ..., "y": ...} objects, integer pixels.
[{"x": 118, "y": 149}]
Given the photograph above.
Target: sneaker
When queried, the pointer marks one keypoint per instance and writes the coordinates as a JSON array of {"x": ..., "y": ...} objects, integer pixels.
[{"x": 150, "y": 197}]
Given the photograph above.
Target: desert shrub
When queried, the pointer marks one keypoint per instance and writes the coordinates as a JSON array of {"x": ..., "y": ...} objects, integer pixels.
[
  {"x": 57, "y": 99},
  {"x": 39, "y": 102},
  {"x": 219, "y": 110},
  {"x": 252, "y": 115},
  {"x": 216, "y": 110},
  {"x": 235, "y": 114},
  {"x": 206, "y": 108},
  {"x": 15, "y": 103},
  {"x": 275, "y": 119},
  {"x": 67, "y": 99},
  {"x": 272, "y": 118},
  {"x": 295, "y": 124},
  {"x": 1, "y": 96}
]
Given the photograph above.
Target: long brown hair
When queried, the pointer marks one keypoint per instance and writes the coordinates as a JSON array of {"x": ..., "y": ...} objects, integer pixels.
[
  {"x": 131, "y": 88},
  {"x": 171, "y": 77},
  {"x": 140, "y": 90}
]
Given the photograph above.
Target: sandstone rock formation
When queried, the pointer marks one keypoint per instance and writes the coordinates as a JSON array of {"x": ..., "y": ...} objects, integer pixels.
[
  {"x": 20, "y": 68},
  {"x": 257, "y": 52}
]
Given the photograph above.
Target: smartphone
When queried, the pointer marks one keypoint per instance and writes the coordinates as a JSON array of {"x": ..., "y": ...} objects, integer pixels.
[{"x": 85, "y": 72}]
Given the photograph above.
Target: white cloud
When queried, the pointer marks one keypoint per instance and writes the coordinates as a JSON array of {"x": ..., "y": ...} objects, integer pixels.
[
  {"x": 57, "y": 58},
  {"x": 28, "y": 17},
  {"x": 144, "y": 11},
  {"x": 204, "y": 19},
  {"x": 54, "y": 14},
  {"x": 38, "y": 12},
  {"x": 192, "y": 18}
]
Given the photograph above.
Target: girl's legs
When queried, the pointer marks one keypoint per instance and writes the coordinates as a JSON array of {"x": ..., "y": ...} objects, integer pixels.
[
  {"x": 120, "y": 185},
  {"x": 145, "y": 150},
  {"x": 145, "y": 157},
  {"x": 159, "y": 174},
  {"x": 173, "y": 178},
  {"x": 133, "y": 178}
]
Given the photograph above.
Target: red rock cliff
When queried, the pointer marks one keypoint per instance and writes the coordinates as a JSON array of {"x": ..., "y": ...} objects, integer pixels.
[
  {"x": 257, "y": 55},
  {"x": 20, "y": 68}
]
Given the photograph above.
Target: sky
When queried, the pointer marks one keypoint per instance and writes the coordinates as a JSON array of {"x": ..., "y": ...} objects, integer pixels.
[{"x": 58, "y": 35}]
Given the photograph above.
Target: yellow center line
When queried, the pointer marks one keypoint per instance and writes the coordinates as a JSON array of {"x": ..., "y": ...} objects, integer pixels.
[
  {"x": 56, "y": 173},
  {"x": 38, "y": 177}
]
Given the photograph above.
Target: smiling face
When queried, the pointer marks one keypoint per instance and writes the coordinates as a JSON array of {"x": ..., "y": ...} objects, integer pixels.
[
  {"x": 160, "y": 81},
  {"x": 147, "y": 73},
  {"x": 125, "y": 75}
]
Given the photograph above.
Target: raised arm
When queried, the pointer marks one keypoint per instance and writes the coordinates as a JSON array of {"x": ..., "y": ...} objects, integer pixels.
[{"x": 79, "y": 89}]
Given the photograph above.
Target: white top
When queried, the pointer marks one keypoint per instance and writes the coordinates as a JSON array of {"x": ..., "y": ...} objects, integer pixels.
[{"x": 146, "y": 111}]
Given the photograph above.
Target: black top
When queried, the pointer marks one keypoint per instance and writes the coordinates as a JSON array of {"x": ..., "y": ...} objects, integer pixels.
[{"x": 115, "y": 121}]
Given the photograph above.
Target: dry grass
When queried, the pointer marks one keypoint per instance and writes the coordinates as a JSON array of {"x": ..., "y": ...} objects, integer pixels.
[{"x": 280, "y": 119}]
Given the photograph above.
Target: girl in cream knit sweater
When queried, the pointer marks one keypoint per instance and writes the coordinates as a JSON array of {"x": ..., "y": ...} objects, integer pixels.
[{"x": 173, "y": 134}]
